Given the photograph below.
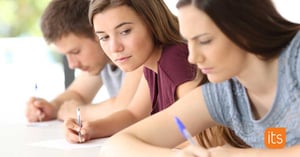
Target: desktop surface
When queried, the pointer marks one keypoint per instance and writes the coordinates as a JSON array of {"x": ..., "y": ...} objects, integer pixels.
[{"x": 17, "y": 140}]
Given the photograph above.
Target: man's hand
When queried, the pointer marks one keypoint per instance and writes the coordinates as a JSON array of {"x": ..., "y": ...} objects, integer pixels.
[{"x": 39, "y": 109}]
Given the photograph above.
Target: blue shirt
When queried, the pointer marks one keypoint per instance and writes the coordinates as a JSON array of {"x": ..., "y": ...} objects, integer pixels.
[
  {"x": 112, "y": 79},
  {"x": 229, "y": 105}
]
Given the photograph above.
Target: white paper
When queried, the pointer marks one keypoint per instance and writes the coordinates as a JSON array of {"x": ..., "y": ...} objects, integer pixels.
[
  {"x": 65, "y": 145},
  {"x": 44, "y": 123}
]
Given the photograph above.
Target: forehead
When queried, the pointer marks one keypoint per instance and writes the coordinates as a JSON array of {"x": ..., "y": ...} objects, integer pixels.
[
  {"x": 193, "y": 21},
  {"x": 114, "y": 16},
  {"x": 71, "y": 41}
]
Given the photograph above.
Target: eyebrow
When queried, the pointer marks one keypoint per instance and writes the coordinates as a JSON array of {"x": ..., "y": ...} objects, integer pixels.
[
  {"x": 198, "y": 36},
  {"x": 118, "y": 26}
]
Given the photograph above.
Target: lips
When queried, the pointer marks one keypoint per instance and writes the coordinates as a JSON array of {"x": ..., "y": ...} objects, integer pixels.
[
  {"x": 122, "y": 59},
  {"x": 206, "y": 70}
]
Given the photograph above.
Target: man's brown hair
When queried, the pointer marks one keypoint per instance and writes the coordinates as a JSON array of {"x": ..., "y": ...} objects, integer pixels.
[{"x": 62, "y": 17}]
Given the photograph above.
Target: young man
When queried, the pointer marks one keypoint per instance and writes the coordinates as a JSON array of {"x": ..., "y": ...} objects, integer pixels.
[{"x": 65, "y": 25}]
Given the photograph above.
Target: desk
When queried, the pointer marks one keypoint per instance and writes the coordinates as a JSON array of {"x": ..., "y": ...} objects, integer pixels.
[{"x": 15, "y": 140}]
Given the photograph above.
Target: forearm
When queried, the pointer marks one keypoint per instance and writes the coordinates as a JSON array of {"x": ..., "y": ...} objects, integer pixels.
[
  {"x": 255, "y": 152},
  {"x": 114, "y": 123},
  {"x": 100, "y": 110},
  {"x": 128, "y": 146},
  {"x": 61, "y": 99},
  {"x": 66, "y": 96}
]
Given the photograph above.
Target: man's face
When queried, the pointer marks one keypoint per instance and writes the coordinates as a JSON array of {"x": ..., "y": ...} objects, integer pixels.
[{"x": 82, "y": 53}]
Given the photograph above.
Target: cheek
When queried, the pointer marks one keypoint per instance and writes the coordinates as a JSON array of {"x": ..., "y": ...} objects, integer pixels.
[{"x": 105, "y": 49}]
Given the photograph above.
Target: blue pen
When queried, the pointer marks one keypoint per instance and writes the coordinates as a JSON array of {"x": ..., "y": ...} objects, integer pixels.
[
  {"x": 184, "y": 131},
  {"x": 36, "y": 97}
]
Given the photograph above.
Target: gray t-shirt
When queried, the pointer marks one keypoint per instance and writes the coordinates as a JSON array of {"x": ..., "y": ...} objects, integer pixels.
[
  {"x": 229, "y": 105},
  {"x": 112, "y": 79}
]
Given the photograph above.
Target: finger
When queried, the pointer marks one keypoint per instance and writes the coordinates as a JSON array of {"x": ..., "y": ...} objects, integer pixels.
[
  {"x": 31, "y": 114},
  {"x": 72, "y": 125},
  {"x": 38, "y": 103},
  {"x": 30, "y": 101},
  {"x": 74, "y": 136},
  {"x": 40, "y": 115},
  {"x": 197, "y": 151}
]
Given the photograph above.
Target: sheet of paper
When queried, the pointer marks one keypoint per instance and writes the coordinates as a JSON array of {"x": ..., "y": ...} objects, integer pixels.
[
  {"x": 44, "y": 124},
  {"x": 65, "y": 145}
]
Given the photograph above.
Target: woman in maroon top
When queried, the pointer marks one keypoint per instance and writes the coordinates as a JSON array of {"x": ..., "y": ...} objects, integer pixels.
[{"x": 133, "y": 34}]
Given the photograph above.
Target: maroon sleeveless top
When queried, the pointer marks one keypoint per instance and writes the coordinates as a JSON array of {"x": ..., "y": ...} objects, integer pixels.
[{"x": 173, "y": 70}]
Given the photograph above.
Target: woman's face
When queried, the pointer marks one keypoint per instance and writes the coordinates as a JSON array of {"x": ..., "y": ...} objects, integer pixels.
[
  {"x": 217, "y": 56},
  {"x": 124, "y": 37}
]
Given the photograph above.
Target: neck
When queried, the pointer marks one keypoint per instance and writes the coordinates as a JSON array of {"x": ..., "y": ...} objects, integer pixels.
[
  {"x": 260, "y": 77},
  {"x": 152, "y": 61}
]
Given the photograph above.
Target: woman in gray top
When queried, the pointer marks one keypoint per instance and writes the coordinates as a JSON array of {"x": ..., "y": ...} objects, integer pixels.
[{"x": 251, "y": 56}]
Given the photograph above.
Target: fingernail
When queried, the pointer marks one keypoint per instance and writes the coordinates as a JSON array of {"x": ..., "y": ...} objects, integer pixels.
[{"x": 82, "y": 132}]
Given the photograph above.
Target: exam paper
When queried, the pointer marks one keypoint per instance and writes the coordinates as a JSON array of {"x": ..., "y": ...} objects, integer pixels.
[
  {"x": 44, "y": 124},
  {"x": 65, "y": 145}
]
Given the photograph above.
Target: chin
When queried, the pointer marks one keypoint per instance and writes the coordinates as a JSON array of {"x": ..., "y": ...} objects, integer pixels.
[
  {"x": 94, "y": 72},
  {"x": 215, "y": 79},
  {"x": 127, "y": 69}
]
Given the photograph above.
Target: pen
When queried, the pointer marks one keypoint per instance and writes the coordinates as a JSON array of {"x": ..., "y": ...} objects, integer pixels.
[
  {"x": 79, "y": 124},
  {"x": 36, "y": 96},
  {"x": 184, "y": 131}
]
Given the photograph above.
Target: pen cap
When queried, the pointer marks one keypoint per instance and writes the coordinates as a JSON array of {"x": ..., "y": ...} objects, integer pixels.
[{"x": 179, "y": 124}]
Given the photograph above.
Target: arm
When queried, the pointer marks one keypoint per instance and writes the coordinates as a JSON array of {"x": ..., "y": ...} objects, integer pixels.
[
  {"x": 238, "y": 152},
  {"x": 139, "y": 107},
  {"x": 125, "y": 95},
  {"x": 82, "y": 90},
  {"x": 153, "y": 135}
]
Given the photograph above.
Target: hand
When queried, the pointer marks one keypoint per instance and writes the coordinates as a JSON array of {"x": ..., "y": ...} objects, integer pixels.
[
  {"x": 198, "y": 151},
  {"x": 72, "y": 129},
  {"x": 67, "y": 110},
  {"x": 192, "y": 151},
  {"x": 39, "y": 109}
]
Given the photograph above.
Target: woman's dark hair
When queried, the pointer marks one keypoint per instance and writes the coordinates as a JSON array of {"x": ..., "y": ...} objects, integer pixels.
[{"x": 253, "y": 25}]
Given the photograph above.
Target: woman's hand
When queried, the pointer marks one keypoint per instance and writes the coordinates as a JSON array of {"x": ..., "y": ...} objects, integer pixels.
[
  {"x": 72, "y": 129},
  {"x": 193, "y": 151},
  {"x": 198, "y": 151}
]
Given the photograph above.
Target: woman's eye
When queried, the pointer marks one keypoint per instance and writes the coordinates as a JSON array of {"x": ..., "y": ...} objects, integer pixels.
[
  {"x": 127, "y": 31},
  {"x": 103, "y": 38},
  {"x": 204, "y": 42}
]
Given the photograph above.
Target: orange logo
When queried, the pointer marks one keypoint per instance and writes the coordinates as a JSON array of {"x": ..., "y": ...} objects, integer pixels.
[{"x": 275, "y": 137}]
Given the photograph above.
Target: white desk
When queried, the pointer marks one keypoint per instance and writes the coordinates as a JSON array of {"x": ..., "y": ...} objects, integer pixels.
[{"x": 15, "y": 140}]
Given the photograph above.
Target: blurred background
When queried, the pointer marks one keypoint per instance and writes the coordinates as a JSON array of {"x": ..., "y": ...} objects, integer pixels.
[{"x": 26, "y": 60}]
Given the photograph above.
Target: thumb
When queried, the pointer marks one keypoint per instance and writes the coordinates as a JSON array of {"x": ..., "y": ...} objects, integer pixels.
[{"x": 197, "y": 151}]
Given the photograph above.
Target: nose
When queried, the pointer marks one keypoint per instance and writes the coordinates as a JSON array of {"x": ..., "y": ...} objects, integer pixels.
[
  {"x": 72, "y": 62},
  {"x": 195, "y": 56},
  {"x": 116, "y": 45}
]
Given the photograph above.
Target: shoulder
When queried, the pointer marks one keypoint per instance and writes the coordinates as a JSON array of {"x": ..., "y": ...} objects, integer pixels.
[
  {"x": 224, "y": 99},
  {"x": 174, "y": 61},
  {"x": 290, "y": 58},
  {"x": 179, "y": 51}
]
